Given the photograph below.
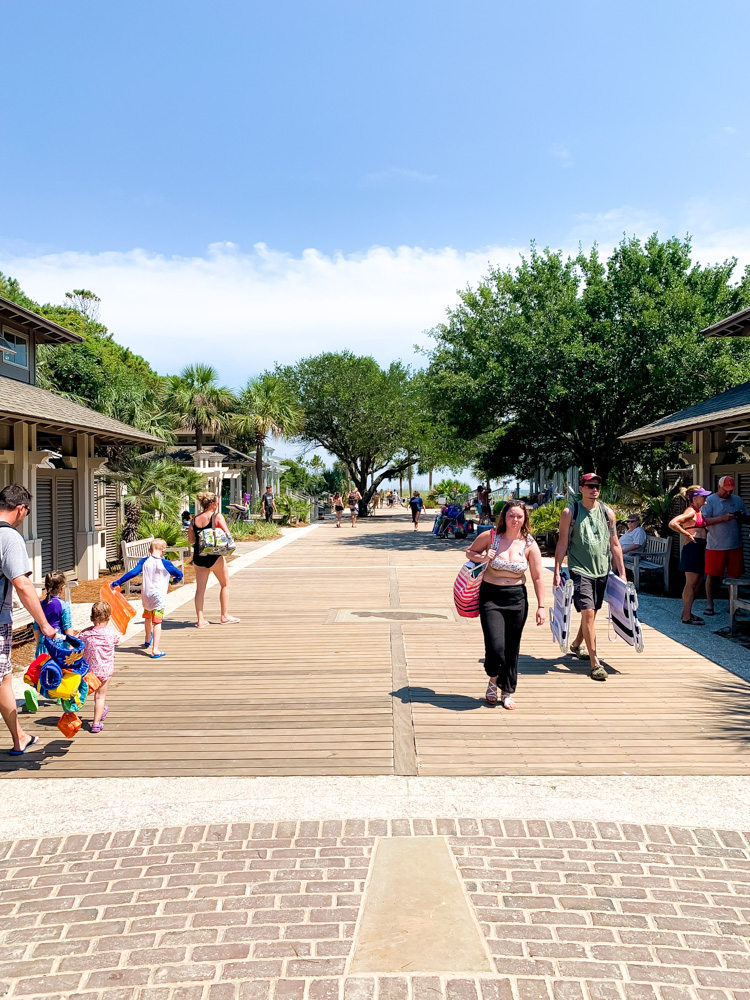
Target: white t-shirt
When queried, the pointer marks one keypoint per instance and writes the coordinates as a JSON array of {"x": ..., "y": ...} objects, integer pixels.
[{"x": 636, "y": 536}]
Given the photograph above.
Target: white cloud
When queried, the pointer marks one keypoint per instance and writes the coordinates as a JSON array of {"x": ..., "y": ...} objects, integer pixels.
[
  {"x": 245, "y": 311},
  {"x": 398, "y": 174},
  {"x": 561, "y": 153}
]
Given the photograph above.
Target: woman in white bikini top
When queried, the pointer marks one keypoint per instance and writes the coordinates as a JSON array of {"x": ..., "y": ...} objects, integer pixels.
[{"x": 509, "y": 552}]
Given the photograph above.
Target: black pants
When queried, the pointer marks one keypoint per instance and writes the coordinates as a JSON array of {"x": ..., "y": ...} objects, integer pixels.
[
  {"x": 502, "y": 612},
  {"x": 268, "y": 512}
]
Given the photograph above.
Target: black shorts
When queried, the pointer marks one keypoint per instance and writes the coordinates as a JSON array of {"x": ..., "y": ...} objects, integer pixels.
[
  {"x": 693, "y": 557},
  {"x": 588, "y": 591}
]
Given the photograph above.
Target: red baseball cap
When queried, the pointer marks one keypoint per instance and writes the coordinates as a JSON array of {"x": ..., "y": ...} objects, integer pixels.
[
  {"x": 726, "y": 483},
  {"x": 591, "y": 479}
]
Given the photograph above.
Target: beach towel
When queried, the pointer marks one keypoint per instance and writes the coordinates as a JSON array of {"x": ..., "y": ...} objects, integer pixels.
[
  {"x": 623, "y": 611},
  {"x": 559, "y": 619}
]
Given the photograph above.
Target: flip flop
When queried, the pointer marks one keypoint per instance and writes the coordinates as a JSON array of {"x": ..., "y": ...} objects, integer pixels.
[
  {"x": 32, "y": 743},
  {"x": 204, "y": 625},
  {"x": 157, "y": 656},
  {"x": 230, "y": 621}
]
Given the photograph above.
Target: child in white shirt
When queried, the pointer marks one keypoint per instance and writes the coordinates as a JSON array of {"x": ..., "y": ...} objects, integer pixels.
[{"x": 156, "y": 572}]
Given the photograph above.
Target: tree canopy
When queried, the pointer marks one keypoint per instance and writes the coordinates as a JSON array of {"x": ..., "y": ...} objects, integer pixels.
[
  {"x": 367, "y": 416},
  {"x": 550, "y": 362},
  {"x": 99, "y": 373}
]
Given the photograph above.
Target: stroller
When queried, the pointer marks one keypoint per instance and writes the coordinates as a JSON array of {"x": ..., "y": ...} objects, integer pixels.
[{"x": 451, "y": 523}]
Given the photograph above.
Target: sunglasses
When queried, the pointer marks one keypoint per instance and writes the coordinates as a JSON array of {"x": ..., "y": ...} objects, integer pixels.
[{"x": 592, "y": 486}]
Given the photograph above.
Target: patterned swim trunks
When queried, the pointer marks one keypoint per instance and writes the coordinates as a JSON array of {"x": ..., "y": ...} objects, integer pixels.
[
  {"x": 156, "y": 616},
  {"x": 6, "y": 640}
]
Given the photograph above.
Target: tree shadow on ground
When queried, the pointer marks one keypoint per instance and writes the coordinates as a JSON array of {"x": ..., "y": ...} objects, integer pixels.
[
  {"x": 731, "y": 700},
  {"x": 408, "y": 541}
]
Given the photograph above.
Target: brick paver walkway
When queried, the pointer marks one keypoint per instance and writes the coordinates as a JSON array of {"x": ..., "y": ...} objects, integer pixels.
[{"x": 569, "y": 911}]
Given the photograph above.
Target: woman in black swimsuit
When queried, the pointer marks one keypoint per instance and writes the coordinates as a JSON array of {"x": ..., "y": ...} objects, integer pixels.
[
  {"x": 338, "y": 505},
  {"x": 204, "y": 565}
]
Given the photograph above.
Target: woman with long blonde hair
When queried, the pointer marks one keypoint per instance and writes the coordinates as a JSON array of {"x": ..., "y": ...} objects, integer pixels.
[
  {"x": 690, "y": 525},
  {"x": 209, "y": 516}
]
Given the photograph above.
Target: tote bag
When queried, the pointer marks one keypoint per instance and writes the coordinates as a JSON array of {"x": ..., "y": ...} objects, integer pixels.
[{"x": 466, "y": 587}]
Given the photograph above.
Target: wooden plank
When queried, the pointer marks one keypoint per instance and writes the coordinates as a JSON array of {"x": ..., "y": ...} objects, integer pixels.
[{"x": 285, "y": 693}]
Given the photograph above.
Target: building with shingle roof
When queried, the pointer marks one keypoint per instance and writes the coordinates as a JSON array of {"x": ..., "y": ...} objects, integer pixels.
[{"x": 54, "y": 447}]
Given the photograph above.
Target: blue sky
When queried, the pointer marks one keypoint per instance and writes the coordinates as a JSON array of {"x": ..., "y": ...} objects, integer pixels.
[{"x": 253, "y": 181}]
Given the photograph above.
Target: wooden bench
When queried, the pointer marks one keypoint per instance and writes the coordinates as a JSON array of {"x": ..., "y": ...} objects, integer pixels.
[
  {"x": 736, "y": 603},
  {"x": 133, "y": 552},
  {"x": 654, "y": 555}
]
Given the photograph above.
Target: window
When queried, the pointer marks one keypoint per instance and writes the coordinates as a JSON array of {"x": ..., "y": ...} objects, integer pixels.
[{"x": 15, "y": 348}]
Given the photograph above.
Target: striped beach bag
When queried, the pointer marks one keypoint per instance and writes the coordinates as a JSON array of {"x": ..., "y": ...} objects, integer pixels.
[
  {"x": 623, "y": 611},
  {"x": 466, "y": 587}
]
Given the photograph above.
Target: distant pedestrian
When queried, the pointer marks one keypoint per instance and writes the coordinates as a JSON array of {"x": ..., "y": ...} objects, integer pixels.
[
  {"x": 389, "y": 498},
  {"x": 100, "y": 641},
  {"x": 483, "y": 503},
  {"x": 269, "y": 504},
  {"x": 337, "y": 502},
  {"x": 157, "y": 571},
  {"x": 353, "y": 500},
  {"x": 723, "y": 514},
  {"x": 15, "y": 571},
  {"x": 417, "y": 505},
  {"x": 588, "y": 534},
  {"x": 691, "y": 526},
  {"x": 209, "y": 517},
  {"x": 510, "y": 552}
]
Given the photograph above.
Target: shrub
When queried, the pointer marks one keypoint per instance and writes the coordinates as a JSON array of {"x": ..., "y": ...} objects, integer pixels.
[{"x": 250, "y": 531}]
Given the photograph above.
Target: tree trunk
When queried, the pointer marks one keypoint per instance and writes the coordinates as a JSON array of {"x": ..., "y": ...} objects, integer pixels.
[
  {"x": 131, "y": 523},
  {"x": 411, "y": 492},
  {"x": 259, "y": 464},
  {"x": 400, "y": 485},
  {"x": 430, "y": 480},
  {"x": 198, "y": 438}
]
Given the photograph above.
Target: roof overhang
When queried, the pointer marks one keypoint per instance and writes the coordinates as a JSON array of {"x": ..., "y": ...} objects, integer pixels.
[
  {"x": 53, "y": 414},
  {"x": 681, "y": 430},
  {"x": 737, "y": 325},
  {"x": 45, "y": 331}
]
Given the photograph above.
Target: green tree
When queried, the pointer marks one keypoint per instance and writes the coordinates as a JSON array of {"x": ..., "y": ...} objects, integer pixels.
[
  {"x": 550, "y": 362},
  {"x": 266, "y": 408},
  {"x": 153, "y": 486},
  {"x": 198, "y": 402},
  {"x": 367, "y": 416}
]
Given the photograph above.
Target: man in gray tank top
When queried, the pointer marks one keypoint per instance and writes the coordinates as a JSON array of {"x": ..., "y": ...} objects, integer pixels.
[{"x": 588, "y": 534}]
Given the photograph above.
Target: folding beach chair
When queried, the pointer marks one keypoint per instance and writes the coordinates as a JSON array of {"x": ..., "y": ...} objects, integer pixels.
[{"x": 623, "y": 611}]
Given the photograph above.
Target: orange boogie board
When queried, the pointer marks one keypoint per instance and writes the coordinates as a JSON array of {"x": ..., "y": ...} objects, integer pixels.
[{"x": 122, "y": 609}]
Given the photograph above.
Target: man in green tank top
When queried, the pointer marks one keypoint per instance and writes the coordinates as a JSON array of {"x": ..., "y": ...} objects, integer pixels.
[{"x": 588, "y": 534}]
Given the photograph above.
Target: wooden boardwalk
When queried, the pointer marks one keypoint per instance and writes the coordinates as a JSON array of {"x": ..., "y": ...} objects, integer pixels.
[{"x": 289, "y": 691}]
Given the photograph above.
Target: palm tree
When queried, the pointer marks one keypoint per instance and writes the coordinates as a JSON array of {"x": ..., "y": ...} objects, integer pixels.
[
  {"x": 266, "y": 407},
  {"x": 198, "y": 402},
  {"x": 152, "y": 485}
]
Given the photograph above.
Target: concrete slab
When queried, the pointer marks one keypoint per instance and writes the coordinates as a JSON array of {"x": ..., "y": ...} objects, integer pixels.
[{"x": 416, "y": 916}]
